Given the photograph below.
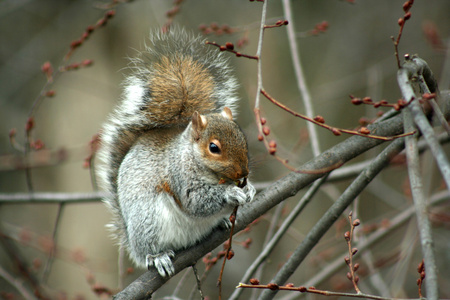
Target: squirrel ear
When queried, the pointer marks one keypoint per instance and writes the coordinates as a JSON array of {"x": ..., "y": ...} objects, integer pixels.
[
  {"x": 227, "y": 113},
  {"x": 198, "y": 124}
]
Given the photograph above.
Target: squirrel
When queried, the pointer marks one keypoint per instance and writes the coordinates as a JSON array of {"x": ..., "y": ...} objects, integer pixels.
[{"x": 171, "y": 154}]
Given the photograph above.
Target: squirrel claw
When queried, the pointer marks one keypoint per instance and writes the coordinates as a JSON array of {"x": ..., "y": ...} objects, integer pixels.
[
  {"x": 250, "y": 191},
  {"x": 162, "y": 262},
  {"x": 225, "y": 224},
  {"x": 241, "y": 196}
]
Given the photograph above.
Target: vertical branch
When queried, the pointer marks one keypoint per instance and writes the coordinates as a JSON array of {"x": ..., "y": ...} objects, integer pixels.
[
  {"x": 420, "y": 204},
  {"x": 199, "y": 283},
  {"x": 228, "y": 251},
  {"x": 301, "y": 83},
  {"x": 259, "y": 87},
  {"x": 259, "y": 64},
  {"x": 27, "y": 147},
  {"x": 351, "y": 252},
  {"x": 52, "y": 251}
]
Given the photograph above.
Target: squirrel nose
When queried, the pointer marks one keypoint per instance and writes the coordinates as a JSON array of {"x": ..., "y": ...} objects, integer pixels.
[{"x": 242, "y": 173}]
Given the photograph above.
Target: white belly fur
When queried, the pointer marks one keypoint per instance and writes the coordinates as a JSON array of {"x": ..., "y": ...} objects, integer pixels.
[{"x": 179, "y": 230}]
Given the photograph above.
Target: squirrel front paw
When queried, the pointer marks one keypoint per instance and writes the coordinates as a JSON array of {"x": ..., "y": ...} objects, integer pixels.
[
  {"x": 162, "y": 262},
  {"x": 240, "y": 196}
]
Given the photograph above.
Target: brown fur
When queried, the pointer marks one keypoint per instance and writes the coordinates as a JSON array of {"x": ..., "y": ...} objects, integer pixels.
[
  {"x": 232, "y": 161},
  {"x": 178, "y": 87}
]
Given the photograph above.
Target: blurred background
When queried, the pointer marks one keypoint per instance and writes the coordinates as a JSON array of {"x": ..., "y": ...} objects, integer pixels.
[{"x": 352, "y": 53}]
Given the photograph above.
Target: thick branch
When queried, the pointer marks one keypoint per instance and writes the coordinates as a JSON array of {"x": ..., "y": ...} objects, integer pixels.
[
  {"x": 421, "y": 206},
  {"x": 415, "y": 113}
]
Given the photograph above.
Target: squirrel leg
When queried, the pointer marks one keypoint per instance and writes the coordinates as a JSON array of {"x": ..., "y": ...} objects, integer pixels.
[{"x": 162, "y": 262}]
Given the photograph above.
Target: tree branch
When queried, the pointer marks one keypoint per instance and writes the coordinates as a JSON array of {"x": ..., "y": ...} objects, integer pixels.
[
  {"x": 412, "y": 153},
  {"x": 49, "y": 197}
]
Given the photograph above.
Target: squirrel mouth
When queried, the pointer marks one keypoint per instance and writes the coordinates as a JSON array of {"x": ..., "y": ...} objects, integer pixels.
[{"x": 241, "y": 182}]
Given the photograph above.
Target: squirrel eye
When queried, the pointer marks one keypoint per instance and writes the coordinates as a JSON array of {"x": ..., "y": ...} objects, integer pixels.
[{"x": 213, "y": 148}]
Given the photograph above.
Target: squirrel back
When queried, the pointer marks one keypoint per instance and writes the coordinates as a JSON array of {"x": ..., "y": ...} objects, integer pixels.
[{"x": 175, "y": 76}]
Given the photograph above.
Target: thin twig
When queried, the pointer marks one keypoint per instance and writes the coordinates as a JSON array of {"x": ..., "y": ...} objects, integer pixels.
[
  {"x": 351, "y": 253},
  {"x": 301, "y": 82},
  {"x": 51, "y": 254},
  {"x": 401, "y": 22},
  {"x": 199, "y": 283},
  {"x": 231, "y": 49},
  {"x": 334, "y": 130},
  {"x": 312, "y": 290},
  {"x": 233, "y": 222}
]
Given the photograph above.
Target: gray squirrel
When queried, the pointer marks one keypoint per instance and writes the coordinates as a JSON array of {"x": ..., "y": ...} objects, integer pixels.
[{"x": 171, "y": 154}]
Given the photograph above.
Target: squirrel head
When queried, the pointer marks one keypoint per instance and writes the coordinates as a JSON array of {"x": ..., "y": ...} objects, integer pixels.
[{"x": 221, "y": 143}]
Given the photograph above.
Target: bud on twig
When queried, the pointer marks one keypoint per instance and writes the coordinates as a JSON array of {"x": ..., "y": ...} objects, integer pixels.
[{"x": 347, "y": 236}]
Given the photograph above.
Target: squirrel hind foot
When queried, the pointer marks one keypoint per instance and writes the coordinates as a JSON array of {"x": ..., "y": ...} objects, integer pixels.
[
  {"x": 225, "y": 224},
  {"x": 162, "y": 262}
]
